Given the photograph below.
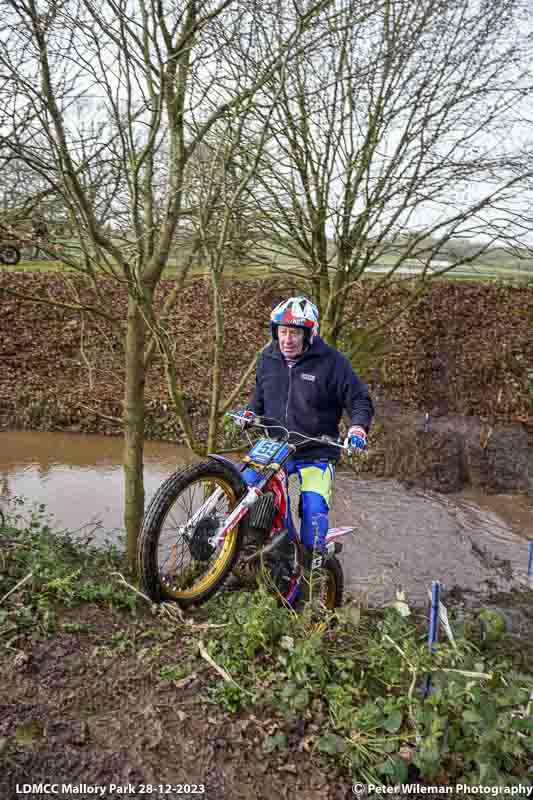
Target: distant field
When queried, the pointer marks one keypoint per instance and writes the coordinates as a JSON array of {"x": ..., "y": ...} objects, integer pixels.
[
  {"x": 477, "y": 271},
  {"x": 481, "y": 273}
]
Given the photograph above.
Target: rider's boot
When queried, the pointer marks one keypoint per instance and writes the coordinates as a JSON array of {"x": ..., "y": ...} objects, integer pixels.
[{"x": 285, "y": 548}]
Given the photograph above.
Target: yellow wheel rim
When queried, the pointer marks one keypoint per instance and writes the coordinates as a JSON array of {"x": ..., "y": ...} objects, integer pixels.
[
  {"x": 212, "y": 576},
  {"x": 319, "y": 627}
]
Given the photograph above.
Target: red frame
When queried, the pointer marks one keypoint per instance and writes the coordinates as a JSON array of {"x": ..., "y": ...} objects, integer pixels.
[{"x": 278, "y": 485}]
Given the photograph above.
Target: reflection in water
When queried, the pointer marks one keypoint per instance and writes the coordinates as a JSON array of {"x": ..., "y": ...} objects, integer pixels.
[
  {"x": 404, "y": 538},
  {"x": 79, "y": 478}
]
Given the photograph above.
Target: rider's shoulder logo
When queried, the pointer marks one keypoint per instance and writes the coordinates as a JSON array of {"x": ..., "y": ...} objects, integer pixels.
[{"x": 307, "y": 377}]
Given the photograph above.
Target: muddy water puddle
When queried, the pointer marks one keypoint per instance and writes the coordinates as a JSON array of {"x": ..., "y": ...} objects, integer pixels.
[
  {"x": 404, "y": 539},
  {"x": 79, "y": 478},
  {"x": 407, "y": 538}
]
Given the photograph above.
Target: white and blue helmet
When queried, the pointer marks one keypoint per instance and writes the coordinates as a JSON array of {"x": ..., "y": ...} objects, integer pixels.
[{"x": 296, "y": 312}]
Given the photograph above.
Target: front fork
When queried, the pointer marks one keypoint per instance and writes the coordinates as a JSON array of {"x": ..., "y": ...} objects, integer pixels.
[{"x": 241, "y": 509}]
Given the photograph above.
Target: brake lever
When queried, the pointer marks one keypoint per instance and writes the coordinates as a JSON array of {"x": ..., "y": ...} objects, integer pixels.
[{"x": 346, "y": 446}]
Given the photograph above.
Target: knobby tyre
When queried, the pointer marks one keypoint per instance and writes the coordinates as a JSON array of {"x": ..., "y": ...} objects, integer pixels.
[
  {"x": 334, "y": 582},
  {"x": 175, "y": 558}
]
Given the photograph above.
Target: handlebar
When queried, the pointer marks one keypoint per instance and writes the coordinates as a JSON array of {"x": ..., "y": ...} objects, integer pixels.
[{"x": 254, "y": 422}]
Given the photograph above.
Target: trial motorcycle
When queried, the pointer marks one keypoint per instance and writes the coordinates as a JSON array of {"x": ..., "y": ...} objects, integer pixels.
[{"x": 204, "y": 516}]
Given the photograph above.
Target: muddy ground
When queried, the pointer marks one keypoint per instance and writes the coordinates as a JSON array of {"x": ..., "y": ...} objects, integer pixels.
[{"x": 73, "y": 714}]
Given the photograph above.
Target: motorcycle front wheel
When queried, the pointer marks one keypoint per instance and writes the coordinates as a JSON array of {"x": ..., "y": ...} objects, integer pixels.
[
  {"x": 9, "y": 254},
  {"x": 175, "y": 557}
]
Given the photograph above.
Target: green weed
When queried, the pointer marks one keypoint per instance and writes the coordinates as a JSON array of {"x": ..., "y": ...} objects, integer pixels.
[
  {"x": 75, "y": 627},
  {"x": 365, "y": 680},
  {"x": 42, "y": 568},
  {"x": 174, "y": 672}
]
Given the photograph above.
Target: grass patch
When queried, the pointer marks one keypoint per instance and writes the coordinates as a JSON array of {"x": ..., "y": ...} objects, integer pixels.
[
  {"x": 471, "y": 272},
  {"x": 37, "y": 265},
  {"x": 42, "y": 569}
]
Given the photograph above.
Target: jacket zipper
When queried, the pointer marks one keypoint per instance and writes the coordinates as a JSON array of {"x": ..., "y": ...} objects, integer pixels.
[{"x": 288, "y": 395}]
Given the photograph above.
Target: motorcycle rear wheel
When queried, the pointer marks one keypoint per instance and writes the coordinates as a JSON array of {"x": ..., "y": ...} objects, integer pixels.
[
  {"x": 334, "y": 583},
  {"x": 175, "y": 559}
]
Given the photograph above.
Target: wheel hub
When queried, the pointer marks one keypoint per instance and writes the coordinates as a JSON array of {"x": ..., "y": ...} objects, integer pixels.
[{"x": 199, "y": 543}]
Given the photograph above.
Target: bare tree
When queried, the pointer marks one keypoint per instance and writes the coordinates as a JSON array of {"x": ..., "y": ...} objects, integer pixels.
[
  {"x": 155, "y": 79},
  {"x": 409, "y": 131},
  {"x": 226, "y": 227}
]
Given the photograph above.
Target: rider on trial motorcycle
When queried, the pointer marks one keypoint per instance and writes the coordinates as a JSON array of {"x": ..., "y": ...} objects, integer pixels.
[{"x": 307, "y": 384}]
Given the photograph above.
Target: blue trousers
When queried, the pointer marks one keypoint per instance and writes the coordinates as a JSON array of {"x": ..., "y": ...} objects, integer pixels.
[{"x": 315, "y": 486}]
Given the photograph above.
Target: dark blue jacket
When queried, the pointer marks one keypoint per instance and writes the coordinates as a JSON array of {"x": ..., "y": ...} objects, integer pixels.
[{"x": 311, "y": 396}]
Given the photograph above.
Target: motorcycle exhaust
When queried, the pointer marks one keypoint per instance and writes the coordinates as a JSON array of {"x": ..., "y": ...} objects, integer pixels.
[{"x": 280, "y": 538}]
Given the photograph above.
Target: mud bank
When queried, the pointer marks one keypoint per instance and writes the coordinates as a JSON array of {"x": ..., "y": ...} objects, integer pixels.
[
  {"x": 463, "y": 353},
  {"x": 451, "y": 452}
]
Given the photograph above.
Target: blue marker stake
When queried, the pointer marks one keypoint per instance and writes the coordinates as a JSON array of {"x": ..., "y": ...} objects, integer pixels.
[
  {"x": 433, "y": 628},
  {"x": 530, "y": 560},
  {"x": 434, "y": 614}
]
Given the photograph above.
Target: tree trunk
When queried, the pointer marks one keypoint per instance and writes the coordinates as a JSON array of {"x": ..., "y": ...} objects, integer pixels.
[
  {"x": 333, "y": 305},
  {"x": 329, "y": 325},
  {"x": 218, "y": 358},
  {"x": 134, "y": 428}
]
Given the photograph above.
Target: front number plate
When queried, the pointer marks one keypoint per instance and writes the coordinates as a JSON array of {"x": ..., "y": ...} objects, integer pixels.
[{"x": 265, "y": 451}]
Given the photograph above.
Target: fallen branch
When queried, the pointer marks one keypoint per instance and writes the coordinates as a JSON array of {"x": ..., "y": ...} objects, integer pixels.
[
  {"x": 414, "y": 674},
  {"x": 103, "y": 416},
  {"x": 399, "y": 649},
  {"x": 481, "y": 675},
  {"x": 17, "y": 586},
  {"x": 221, "y": 671},
  {"x": 173, "y": 611},
  {"x": 203, "y": 626},
  {"x": 133, "y": 588}
]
